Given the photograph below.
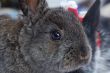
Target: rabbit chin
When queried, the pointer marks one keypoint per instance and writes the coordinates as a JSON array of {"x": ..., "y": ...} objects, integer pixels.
[{"x": 72, "y": 66}]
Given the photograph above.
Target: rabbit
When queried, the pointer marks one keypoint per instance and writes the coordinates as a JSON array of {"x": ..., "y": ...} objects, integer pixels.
[{"x": 47, "y": 40}]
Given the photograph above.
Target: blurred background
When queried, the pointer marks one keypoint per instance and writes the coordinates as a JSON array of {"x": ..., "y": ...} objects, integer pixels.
[
  {"x": 11, "y": 8},
  {"x": 83, "y": 5}
]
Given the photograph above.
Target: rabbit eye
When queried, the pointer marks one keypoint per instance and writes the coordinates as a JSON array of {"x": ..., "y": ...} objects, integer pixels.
[{"x": 55, "y": 35}]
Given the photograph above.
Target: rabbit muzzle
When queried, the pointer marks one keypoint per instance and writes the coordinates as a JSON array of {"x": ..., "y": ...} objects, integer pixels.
[{"x": 75, "y": 59}]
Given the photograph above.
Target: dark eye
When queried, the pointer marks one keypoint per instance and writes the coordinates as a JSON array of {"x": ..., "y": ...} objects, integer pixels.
[{"x": 55, "y": 35}]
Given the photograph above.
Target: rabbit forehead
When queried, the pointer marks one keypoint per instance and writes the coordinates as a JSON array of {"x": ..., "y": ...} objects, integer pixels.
[{"x": 62, "y": 18}]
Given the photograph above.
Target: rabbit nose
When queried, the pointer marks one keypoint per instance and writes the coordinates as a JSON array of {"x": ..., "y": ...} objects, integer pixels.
[{"x": 84, "y": 54}]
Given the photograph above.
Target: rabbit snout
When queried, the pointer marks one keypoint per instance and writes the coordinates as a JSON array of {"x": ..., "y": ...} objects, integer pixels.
[
  {"x": 84, "y": 54},
  {"x": 75, "y": 58}
]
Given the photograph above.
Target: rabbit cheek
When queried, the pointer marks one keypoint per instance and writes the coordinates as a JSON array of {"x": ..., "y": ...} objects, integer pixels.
[
  {"x": 51, "y": 51},
  {"x": 52, "y": 47}
]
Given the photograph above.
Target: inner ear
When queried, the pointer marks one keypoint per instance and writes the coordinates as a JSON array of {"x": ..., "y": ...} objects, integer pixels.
[
  {"x": 33, "y": 4},
  {"x": 29, "y": 6},
  {"x": 32, "y": 8}
]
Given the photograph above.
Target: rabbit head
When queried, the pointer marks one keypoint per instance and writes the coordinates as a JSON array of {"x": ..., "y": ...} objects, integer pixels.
[{"x": 53, "y": 39}]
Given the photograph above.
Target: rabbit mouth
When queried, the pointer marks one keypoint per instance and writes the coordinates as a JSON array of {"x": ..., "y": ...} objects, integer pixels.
[
  {"x": 74, "y": 63},
  {"x": 72, "y": 66}
]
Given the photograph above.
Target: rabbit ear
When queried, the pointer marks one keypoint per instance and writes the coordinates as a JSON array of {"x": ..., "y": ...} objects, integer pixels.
[
  {"x": 91, "y": 20},
  {"x": 31, "y": 7},
  {"x": 90, "y": 23}
]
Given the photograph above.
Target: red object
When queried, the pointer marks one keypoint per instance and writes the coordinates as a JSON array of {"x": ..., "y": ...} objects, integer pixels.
[
  {"x": 98, "y": 40},
  {"x": 75, "y": 11},
  {"x": 81, "y": 18}
]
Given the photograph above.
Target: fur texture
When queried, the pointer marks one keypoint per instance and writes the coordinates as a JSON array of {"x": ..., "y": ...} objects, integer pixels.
[
  {"x": 47, "y": 40},
  {"x": 103, "y": 59}
]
